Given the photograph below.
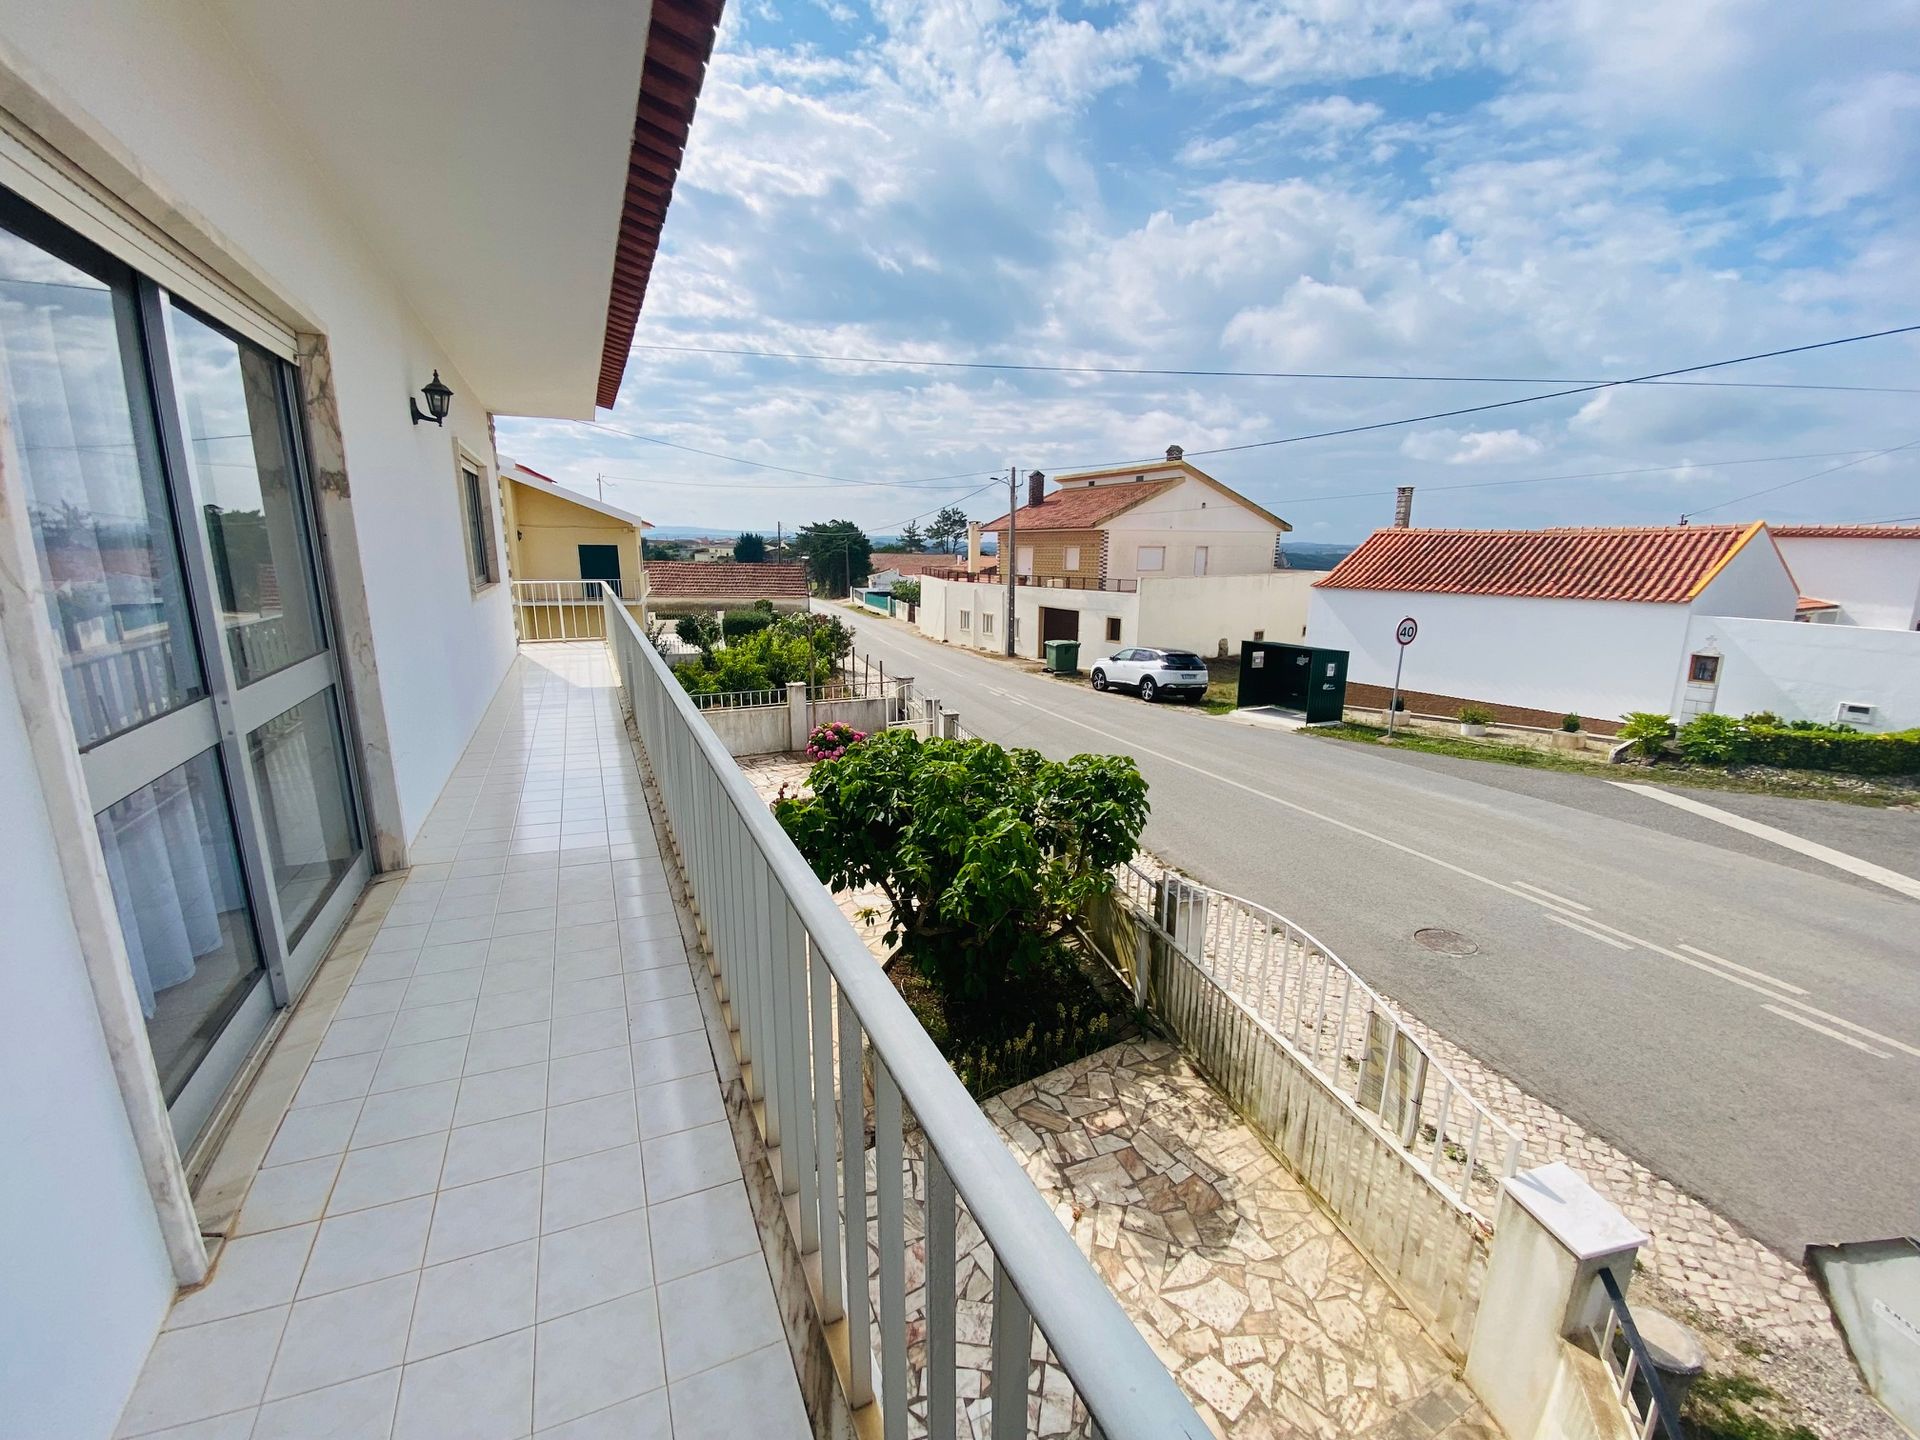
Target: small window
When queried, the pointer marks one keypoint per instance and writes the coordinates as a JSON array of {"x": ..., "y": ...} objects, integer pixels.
[
  {"x": 482, "y": 569},
  {"x": 966, "y": 620},
  {"x": 1703, "y": 669},
  {"x": 986, "y": 622},
  {"x": 1199, "y": 559},
  {"x": 1113, "y": 629},
  {"x": 1072, "y": 560},
  {"x": 1152, "y": 557},
  {"x": 1023, "y": 559},
  {"x": 1259, "y": 635}
]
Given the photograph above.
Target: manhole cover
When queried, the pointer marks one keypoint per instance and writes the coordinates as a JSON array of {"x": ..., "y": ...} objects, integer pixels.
[{"x": 1446, "y": 942}]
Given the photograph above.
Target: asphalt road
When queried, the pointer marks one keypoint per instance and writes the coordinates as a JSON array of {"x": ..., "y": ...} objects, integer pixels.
[{"x": 1610, "y": 928}]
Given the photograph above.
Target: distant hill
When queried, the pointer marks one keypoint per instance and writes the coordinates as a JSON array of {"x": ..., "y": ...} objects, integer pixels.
[{"x": 1306, "y": 555}]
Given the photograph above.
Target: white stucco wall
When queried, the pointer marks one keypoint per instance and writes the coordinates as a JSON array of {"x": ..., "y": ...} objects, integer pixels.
[
  {"x": 1186, "y": 517},
  {"x": 1598, "y": 658},
  {"x": 83, "y": 1272},
  {"x": 1804, "y": 672},
  {"x": 166, "y": 88},
  {"x": 1874, "y": 582},
  {"x": 1199, "y": 614},
  {"x": 943, "y": 601},
  {"x": 1754, "y": 582}
]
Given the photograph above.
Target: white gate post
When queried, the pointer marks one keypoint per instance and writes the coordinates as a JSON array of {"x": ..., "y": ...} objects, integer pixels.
[{"x": 797, "y": 727}]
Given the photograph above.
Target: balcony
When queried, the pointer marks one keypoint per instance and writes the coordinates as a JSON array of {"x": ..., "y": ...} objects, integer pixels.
[{"x": 525, "y": 1159}]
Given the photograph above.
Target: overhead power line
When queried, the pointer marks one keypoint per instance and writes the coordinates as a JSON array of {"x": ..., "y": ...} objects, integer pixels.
[
  {"x": 907, "y": 362},
  {"x": 1520, "y": 400},
  {"x": 1799, "y": 480}
]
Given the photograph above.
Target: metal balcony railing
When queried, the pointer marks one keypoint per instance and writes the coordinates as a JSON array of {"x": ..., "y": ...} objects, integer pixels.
[{"x": 820, "y": 1028}]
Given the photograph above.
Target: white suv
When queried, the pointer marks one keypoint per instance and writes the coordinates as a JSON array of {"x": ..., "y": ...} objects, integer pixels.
[{"x": 1153, "y": 672}]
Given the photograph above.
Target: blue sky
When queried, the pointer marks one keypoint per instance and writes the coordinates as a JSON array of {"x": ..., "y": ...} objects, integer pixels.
[{"x": 1585, "y": 189}]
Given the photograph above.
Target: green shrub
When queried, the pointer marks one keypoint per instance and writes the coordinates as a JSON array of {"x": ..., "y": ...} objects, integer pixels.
[
  {"x": 763, "y": 605},
  {"x": 1714, "y": 740},
  {"x": 1647, "y": 731},
  {"x": 700, "y": 631},
  {"x": 1834, "y": 747},
  {"x": 735, "y": 624},
  {"x": 907, "y": 592},
  {"x": 766, "y": 659},
  {"x": 986, "y": 856},
  {"x": 1570, "y": 722},
  {"x": 1475, "y": 715}
]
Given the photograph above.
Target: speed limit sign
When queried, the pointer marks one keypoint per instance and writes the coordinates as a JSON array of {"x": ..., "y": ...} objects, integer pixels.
[{"x": 1406, "y": 631}]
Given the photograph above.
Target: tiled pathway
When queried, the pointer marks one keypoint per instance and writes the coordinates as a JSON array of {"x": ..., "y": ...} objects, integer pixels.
[{"x": 505, "y": 1201}]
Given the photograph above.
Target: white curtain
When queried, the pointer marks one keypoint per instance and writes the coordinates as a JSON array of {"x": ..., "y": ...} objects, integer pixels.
[{"x": 173, "y": 874}]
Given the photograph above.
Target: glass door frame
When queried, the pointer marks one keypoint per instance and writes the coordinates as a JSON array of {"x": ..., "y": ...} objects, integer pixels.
[{"x": 240, "y": 709}]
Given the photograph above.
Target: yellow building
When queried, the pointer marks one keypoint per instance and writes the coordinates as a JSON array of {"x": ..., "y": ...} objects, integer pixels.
[{"x": 557, "y": 539}]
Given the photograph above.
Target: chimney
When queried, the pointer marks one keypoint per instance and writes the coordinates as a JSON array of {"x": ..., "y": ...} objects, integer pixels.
[
  {"x": 973, "y": 547},
  {"x": 1403, "y": 507},
  {"x": 1174, "y": 452},
  {"x": 1036, "y": 487}
]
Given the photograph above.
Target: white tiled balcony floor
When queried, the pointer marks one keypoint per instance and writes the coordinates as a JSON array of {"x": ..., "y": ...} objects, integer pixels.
[{"x": 505, "y": 1201}]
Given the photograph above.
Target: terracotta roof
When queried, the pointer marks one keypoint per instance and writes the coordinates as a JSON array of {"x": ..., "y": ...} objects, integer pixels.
[
  {"x": 537, "y": 474},
  {"x": 725, "y": 580},
  {"x": 1084, "y": 506},
  {"x": 1845, "y": 532},
  {"x": 1666, "y": 565},
  {"x": 679, "y": 40},
  {"x": 916, "y": 564},
  {"x": 1806, "y": 603}
]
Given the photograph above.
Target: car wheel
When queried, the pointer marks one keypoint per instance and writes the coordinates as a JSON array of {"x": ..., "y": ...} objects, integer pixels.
[
  {"x": 1148, "y": 690},
  {"x": 1099, "y": 679}
]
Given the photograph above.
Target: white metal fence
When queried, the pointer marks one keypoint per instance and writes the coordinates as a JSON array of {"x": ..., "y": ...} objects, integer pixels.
[
  {"x": 545, "y": 610},
  {"x": 818, "y": 1025}
]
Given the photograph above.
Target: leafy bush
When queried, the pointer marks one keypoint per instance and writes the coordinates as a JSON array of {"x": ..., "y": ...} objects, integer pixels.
[
  {"x": 768, "y": 659},
  {"x": 700, "y": 631},
  {"x": 825, "y": 635},
  {"x": 907, "y": 592},
  {"x": 737, "y": 623},
  {"x": 1570, "y": 722},
  {"x": 1475, "y": 715},
  {"x": 1714, "y": 740},
  {"x": 763, "y": 605},
  {"x": 832, "y": 740},
  {"x": 1808, "y": 746},
  {"x": 985, "y": 855},
  {"x": 1647, "y": 731}
]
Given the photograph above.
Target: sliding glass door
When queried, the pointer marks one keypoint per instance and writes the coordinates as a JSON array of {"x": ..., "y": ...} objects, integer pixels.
[{"x": 165, "y": 487}]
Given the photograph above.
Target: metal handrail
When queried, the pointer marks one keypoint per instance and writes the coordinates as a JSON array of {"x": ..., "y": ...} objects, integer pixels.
[
  {"x": 1265, "y": 963},
  {"x": 1658, "y": 1412},
  {"x": 784, "y": 952}
]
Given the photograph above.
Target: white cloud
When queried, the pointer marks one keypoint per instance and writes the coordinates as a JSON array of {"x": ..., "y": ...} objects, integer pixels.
[{"x": 1471, "y": 447}]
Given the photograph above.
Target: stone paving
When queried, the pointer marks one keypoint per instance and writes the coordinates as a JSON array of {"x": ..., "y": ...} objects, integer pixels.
[{"x": 1266, "y": 1313}]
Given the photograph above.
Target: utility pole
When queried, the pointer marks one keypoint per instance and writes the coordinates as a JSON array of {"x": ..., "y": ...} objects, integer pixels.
[
  {"x": 599, "y": 484},
  {"x": 1008, "y": 560}
]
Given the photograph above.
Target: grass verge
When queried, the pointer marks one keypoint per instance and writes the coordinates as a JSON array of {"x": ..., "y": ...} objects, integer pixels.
[{"x": 1750, "y": 780}]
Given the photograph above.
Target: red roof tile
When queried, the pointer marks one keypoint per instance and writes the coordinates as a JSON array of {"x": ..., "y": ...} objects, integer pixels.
[
  {"x": 1845, "y": 532},
  {"x": 1084, "y": 506},
  {"x": 725, "y": 580},
  {"x": 1666, "y": 565},
  {"x": 916, "y": 564},
  {"x": 1807, "y": 603}
]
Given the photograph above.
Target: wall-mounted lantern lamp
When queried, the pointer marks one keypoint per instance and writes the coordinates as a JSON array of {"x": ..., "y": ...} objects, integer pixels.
[{"x": 439, "y": 400}]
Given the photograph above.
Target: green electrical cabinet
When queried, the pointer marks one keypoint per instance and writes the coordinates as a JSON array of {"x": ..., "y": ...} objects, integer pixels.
[{"x": 1294, "y": 677}]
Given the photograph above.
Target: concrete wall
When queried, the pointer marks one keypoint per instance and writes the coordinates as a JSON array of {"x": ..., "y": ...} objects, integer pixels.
[
  {"x": 84, "y": 1273},
  {"x": 545, "y": 532},
  {"x": 1596, "y": 658},
  {"x": 1754, "y": 582},
  {"x": 1198, "y": 614},
  {"x": 1188, "y": 516},
  {"x": 1804, "y": 672},
  {"x": 770, "y": 729},
  {"x": 168, "y": 91},
  {"x": 1874, "y": 582}
]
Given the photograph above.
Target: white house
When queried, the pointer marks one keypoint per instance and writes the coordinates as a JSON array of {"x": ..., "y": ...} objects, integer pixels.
[
  {"x": 1537, "y": 624},
  {"x": 1855, "y": 574},
  {"x": 250, "y": 604}
]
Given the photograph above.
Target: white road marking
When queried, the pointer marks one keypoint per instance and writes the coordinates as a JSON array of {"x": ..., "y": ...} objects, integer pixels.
[
  {"x": 1839, "y": 859},
  {"x": 1744, "y": 970},
  {"x": 1131, "y": 745},
  {"x": 1830, "y": 1034},
  {"x": 1557, "y": 899},
  {"x": 1576, "y": 926}
]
